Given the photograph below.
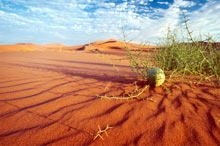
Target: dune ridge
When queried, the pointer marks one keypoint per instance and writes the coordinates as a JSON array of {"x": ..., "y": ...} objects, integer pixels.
[
  {"x": 54, "y": 45},
  {"x": 101, "y": 46}
]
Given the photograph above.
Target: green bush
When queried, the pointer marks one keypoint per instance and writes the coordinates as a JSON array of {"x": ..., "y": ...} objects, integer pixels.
[{"x": 180, "y": 57}]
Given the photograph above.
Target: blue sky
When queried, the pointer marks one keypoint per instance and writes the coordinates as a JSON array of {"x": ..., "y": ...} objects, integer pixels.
[{"x": 74, "y": 22}]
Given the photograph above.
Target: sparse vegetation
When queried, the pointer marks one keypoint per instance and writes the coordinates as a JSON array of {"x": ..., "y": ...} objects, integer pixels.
[
  {"x": 181, "y": 58},
  {"x": 189, "y": 58},
  {"x": 176, "y": 58},
  {"x": 140, "y": 61},
  {"x": 135, "y": 94}
]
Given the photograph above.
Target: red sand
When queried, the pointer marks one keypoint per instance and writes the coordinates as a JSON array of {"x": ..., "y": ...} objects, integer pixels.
[{"x": 49, "y": 98}]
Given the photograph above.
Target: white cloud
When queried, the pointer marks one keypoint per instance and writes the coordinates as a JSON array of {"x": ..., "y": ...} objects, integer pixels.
[
  {"x": 183, "y": 3},
  {"x": 206, "y": 20},
  {"x": 142, "y": 2},
  {"x": 14, "y": 18},
  {"x": 163, "y": 3},
  {"x": 203, "y": 21},
  {"x": 91, "y": 20}
]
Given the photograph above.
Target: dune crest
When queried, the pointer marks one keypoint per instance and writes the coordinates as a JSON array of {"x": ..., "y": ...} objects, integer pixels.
[
  {"x": 54, "y": 45},
  {"x": 111, "y": 46}
]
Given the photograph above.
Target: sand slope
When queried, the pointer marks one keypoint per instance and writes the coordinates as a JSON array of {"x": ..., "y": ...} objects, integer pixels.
[
  {"x": 31, "y": 47},
  {"x": 54, "y": 45},
  {"x": 110, "y": 46},
  {"x": 21, "y": 47},
  {"x": 49, "y": 98}
]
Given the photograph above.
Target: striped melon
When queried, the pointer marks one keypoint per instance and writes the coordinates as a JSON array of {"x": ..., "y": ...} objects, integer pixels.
[{"x": 155, "y": 77}]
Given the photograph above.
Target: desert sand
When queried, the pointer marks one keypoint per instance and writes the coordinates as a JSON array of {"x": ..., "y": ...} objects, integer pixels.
[{"x": 48, "y": 96}]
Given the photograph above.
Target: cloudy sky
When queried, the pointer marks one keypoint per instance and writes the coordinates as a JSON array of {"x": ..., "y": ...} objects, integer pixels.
[{"x": 74, "y": 22}]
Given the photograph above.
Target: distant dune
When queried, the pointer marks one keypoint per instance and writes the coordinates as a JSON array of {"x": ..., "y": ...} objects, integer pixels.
[
  {"x": 55, "y": 45},
  {"x": 29, "y": 47},
  {"x": 21, "y": 47},
  {"x": 108, "y": 46},
  {"x": 111, "y": 46}
]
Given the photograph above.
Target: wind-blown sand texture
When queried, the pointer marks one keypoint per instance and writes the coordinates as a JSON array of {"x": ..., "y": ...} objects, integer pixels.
[{"x": 50, "y": 98}]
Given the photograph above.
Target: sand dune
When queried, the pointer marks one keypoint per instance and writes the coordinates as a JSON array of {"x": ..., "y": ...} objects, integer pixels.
[
  {"x": 50, "y": 98},
  {"x": 20, "y": 47},
  {"x": 54, "y": 46},
  {"x": 110, "y": 46},
  {"x": 113, "y": 45},
  {"x": 107, "y": 46},
  {"x": 30, "y": 47}
]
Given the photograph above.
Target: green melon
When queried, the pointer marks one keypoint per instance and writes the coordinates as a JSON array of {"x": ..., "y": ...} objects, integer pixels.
[{"x": 155, "y": 77}]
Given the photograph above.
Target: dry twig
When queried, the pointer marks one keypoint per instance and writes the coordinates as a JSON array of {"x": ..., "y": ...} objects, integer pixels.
[{"x": 99, "y": 133}]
